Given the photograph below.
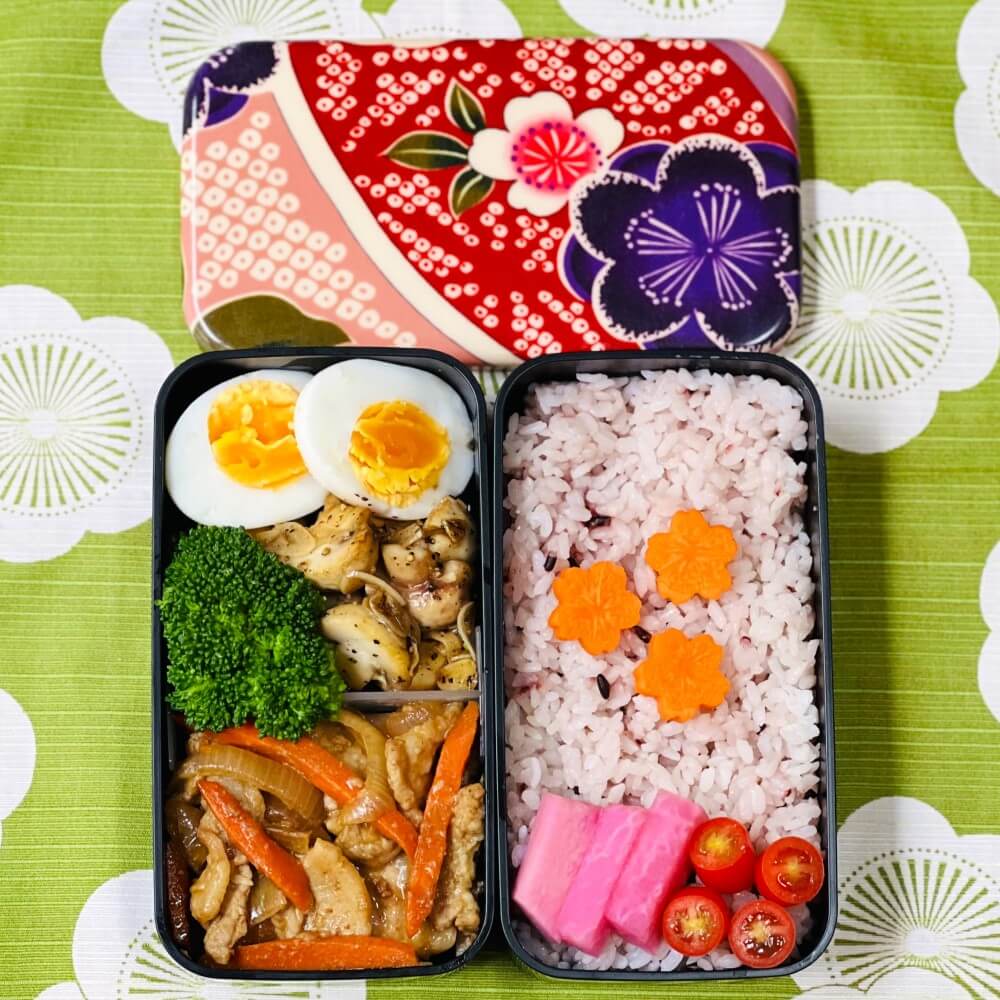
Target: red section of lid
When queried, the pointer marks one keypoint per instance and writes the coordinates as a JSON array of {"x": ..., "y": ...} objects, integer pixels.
[{"x": 497, "y": 263}]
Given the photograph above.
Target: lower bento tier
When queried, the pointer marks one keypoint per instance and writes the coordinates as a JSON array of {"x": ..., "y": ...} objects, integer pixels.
[{"x": 684, "y": 489}]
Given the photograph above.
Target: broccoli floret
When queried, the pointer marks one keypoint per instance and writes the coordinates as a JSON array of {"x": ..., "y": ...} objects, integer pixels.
[{"x": 242, "y": 638}]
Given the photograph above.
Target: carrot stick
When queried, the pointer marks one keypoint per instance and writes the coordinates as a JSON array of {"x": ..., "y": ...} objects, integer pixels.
[
  {"x": 426, "y": 868},
  {"x": 248, "y": 836},
  {"x": 323, "y": 770},
  {"x": 325, "y": 954}
]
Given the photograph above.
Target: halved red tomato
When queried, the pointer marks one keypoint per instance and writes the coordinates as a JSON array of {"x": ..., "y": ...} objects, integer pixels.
[
  {"x": 761, "y": 934},
  {"x": 695, "y": 921},
  {"x": 790, "y": 871},
  {"x": 722, "y": 855}
]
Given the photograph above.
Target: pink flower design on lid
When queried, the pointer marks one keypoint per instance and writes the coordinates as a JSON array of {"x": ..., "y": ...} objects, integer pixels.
[{"x": 544, "y": 150}]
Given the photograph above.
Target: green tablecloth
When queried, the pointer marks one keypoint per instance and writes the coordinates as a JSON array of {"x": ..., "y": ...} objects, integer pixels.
[{"x": 901, "y": 127}]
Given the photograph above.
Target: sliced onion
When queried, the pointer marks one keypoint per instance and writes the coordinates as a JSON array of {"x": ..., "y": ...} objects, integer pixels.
[
  {"x": 463, "y": 630},
  {"x": 296, "y": 841},
  {"x": 266, "y": 899},
  {"x": 182, "y": 825},
  {"x": 378, "y": 583},
  {"x": 411, "y": 714},
  {"x": 258, "y": 772},
  {"x": 279, "y": 816},
  {"x": 375, "y": 798}
]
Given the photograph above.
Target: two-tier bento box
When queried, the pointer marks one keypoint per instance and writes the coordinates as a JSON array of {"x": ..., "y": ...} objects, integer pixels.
[{"x": 564, "y": 660}]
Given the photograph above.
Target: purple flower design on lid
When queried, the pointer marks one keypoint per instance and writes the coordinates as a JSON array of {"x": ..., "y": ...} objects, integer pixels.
[
  {"x": 689, "y": 245},
  {"x": 219, "y": 88}
]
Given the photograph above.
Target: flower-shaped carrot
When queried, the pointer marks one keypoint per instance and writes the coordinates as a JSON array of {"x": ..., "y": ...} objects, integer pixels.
[
  {"x": 691, "y": 558},
  {"x": 682, "y": 674},
  {"x": 595, "y": 605}
]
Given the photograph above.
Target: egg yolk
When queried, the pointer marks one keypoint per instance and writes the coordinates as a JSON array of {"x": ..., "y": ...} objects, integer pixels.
[
  {"x": 398, "y": 451},
  {"x": 250, "y": 430}
]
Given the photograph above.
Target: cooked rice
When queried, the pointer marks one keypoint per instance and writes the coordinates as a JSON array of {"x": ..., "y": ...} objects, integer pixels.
[{"x": 638, "y": 450}]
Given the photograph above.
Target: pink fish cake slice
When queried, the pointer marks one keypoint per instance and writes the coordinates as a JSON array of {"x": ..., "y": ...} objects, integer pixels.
[
  {"x": 582, "y": 922},
  {"x": 657, "y": 866},
  {"x": 560, "y": 834}
]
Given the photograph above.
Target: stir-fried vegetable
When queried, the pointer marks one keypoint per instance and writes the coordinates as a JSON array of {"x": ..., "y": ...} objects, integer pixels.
[
  {"x": 433, "y": 839},
  {"x": 375, "y": 799},
  {"x": 182, "y": 820},
  {"x": 266, "y": 900},
  {"x": 248, "y": 836},
  {"x": 241, "y": 631},
  {"x": 218, "y": 760},
  {"x": 326, "y": 954},
  {"x": 327, "y": 773},
  {"x": 412, "y": 714}
]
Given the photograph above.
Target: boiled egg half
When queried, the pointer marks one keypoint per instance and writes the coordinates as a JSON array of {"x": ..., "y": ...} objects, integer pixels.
[
  {"x": 233, "y": 457},
  {"x": 389, "y": 437}
]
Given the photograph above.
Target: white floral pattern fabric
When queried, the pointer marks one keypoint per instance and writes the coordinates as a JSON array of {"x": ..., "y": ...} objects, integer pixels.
[
  {"x": 989, "y": 657},
  {"x": 17, "y": 756},
  {"x": 915, "y": 898},
  {"x": 977, "y": 111},
  {"x": 152, "y": 48},
  {"x": 890, "y": 315},
  {"x": 76, "y": 423},
  {"x": 117, "y": 954},
  {"x": 749, "y": 20}
]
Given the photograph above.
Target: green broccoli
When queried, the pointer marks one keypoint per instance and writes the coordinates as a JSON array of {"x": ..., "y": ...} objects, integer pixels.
[{"x": 242, "y": 638}]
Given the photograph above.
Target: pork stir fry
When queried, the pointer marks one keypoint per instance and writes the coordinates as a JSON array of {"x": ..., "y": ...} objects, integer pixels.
[
  {"x": 366, "y": 830},
  {"x": 400, "y": 615}
]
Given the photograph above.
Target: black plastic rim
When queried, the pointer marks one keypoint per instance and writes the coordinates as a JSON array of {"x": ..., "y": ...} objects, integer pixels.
[
  {"x": 205, "y": 370},
  {"x": 562, "y": 368}
]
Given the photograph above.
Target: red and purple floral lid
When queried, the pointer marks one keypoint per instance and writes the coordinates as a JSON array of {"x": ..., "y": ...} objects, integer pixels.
[{"x": 493, "y": 199}]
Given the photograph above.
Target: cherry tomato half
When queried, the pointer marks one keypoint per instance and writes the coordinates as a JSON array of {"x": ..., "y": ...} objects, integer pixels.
[
  {"x": 790, "y": 872},
  {"x": 722, "y": 855},
  {"x": 761, "y": 934},
  {"x": 695, "y": 921}
]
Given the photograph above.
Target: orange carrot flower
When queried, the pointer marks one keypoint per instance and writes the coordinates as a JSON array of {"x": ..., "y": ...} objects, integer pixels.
[
  {"x": 691, "y": 558},
  {"x": 682, "y": 674},
  {"x": 594, "y": 606}
]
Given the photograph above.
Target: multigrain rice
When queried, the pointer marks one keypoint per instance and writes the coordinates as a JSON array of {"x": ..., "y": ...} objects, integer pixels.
[{"x": 595, "y": 468}]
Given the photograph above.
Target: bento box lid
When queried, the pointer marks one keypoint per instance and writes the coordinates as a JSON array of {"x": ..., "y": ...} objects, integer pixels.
[{"x": 494, "y": 199}]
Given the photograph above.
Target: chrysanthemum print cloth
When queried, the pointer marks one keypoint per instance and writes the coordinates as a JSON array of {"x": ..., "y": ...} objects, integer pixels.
[{"x": 899, "y": 277}]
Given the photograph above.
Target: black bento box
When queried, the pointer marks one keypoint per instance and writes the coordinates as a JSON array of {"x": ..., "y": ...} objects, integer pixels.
[
  {"x": 562, "y": 368},
  {"x": 187, "y": 382}
]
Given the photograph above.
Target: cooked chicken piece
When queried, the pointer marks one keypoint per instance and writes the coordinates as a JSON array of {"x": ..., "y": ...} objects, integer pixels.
[
  {"x": 455, "y": 905},
  {"x": 336, "y": 739},
  {"x": 449, "y": 532},
  {"x": 231, "y": 924},
  {"x": 342, "y": 904},
  {"x": 436, "y": 602},
  {"x": 430, "y": 941},
  {"x": 408, "y": 565},
  {"x": 388, "y": 889},
  {"x": 287, "y": 923},
  {"x": 247, "y": 796},
  {"x": 340, "y": 542},
  {"x": 209, "y": 889},
  {"x": 388, "y": 892},
  {"x": 429, "y": 565},
  {"x": 409, "y": 758},
  {"x": 367, "y": 650},
  {"x": 361, "y": 842}
]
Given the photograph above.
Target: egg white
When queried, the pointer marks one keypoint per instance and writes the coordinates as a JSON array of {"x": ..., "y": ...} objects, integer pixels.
[
  {"x": 202, "y": 490},
  {"x": 330, "y": 405}
]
